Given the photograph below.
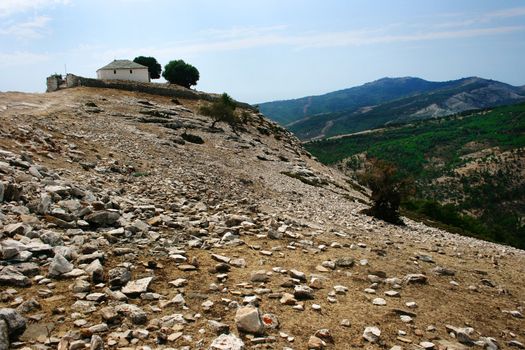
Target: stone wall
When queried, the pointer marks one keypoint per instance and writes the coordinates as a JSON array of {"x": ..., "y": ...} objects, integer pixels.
[
  {"x": 53, "y": 83},
  {"x": 72, "y": 80},
  {"x": 149, "y": 88},
  {"x": 169, "y": 90}
]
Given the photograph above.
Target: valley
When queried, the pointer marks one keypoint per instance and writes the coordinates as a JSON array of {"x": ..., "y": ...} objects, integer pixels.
[{"x": 472, "y": 162}]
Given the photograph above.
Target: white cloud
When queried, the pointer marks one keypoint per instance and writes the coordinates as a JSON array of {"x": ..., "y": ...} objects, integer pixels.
[
  {"x": 507, "y": 13},
  {"x": 10, "y": 7},
  {"x": 239, "y": 38},
  {"x": 22, "y": 58},
  {"x": 100, "y": 55},
  {"x": 31, "y": 29},
  {"x": 237, "y": 32},
  {"x": 339, "y": 39},
  {"x": 303, "y": 41},
  {"x": 484, "y": 18}
]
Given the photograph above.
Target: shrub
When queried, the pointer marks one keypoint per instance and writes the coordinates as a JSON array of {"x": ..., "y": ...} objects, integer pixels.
[
  {"x": 388, "y": 189},
  {"x": 222, "y": 110},
  {"x": 181, "y": 73}
]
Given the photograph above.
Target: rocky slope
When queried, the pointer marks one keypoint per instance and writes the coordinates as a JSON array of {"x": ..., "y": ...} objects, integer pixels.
[{"x": 118, "y": 233}]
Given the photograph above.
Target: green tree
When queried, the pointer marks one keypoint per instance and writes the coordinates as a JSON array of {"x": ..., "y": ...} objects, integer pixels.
[
  {"x": 154, "y": 67},
  {"x": 181, "y": 73},
  {"x": 388, "y": 189},
  {"x": 222, "y": 110}
]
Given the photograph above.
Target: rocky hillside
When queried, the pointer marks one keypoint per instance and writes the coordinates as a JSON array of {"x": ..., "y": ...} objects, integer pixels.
[
  {"x": 386, "y": 101},
  {"x": 127, "y": 223}
]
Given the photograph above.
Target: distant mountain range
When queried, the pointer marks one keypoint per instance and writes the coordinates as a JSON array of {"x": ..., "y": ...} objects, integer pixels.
[{"x": 386, "y": 101}]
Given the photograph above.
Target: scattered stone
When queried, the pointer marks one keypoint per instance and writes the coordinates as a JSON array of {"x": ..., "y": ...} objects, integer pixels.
[
  {"x": 137, "y": 286},
  {"x": 187, "y": 267},
  {"x": 416, "y": 279},
  {"x": 345, "y": 262},
  {"x": 98, "y": 328},
  {"x": 133, "y": 312},
  {"x": 119, "y": 276},
  {"x": 302, "y": 292},
  {"x": 207, "y": 305},
  {"x": 340, "y": 289},
  {"x": 315, "y": 343},
  {"x": 372, "y": 334},
  {"x": 425, "y": 258},
  {"x": 288, "y": 299},
  {"x": 103, "y": 218},
  {"x": 247, "y": 319},
  {"x": 109, "y": 315},
  {"x": 179, "y": 282},
  {"x": 516, "y": 314},
  {"x": 463, "y": 335},
  {"x": 427, "y": 345},
  {"x": 270, "y": 321},
  {"x": 227, "y": 342},
  {"x": 516, "y": 344},
  {"x": 345, "y": 323},
  {"x": 28, "y": 306},
  {"x": 442, "y": 271},
  {"x": 96, "y": 343},
  {"x": 392, "y": 293},
  {"x": 219, "y": 327},
  {"x": 59, "y": 266},
  {"x": 259, "y": 276},
  {"x": 379, "y": 301},
  {"x": 240, "y": 263},
  {"x": 297, "y": 275},
  {"x": 96, "y": 297},
  {"x": 96, "y": 271},
  {"x": 405, "y": 318},
  {"x": 316, "y": 283}
]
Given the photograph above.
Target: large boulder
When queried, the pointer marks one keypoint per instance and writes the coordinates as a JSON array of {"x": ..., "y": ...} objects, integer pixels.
[
  {"x": 16, "y": 323},
  {"x": 4, "y": 335},
  {"x": 9, "y": 276}
]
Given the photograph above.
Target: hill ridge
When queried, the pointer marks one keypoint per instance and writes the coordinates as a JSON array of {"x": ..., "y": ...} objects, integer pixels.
[{"x": 387, "y": 100}]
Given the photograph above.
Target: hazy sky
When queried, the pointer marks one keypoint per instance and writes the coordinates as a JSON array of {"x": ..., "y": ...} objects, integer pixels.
[{"x": 269, "y": 49}]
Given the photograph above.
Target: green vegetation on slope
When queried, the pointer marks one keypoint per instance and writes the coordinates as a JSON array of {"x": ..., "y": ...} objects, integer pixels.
[
  {"x": 456, "y": 160},
  {"x": 444, "y": 137}
]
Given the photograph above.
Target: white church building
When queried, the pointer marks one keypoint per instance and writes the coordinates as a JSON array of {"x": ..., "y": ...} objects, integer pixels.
[{"x": 124, "y": 70}]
